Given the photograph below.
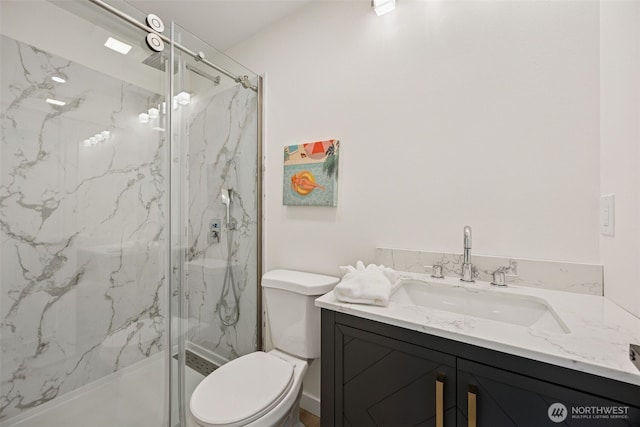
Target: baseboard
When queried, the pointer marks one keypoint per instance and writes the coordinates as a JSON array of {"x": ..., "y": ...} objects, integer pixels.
[{"x": 310, "y": 403}]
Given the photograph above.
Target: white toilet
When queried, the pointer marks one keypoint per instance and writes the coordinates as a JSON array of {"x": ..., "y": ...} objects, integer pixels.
[{"x": 264, "y": 389}]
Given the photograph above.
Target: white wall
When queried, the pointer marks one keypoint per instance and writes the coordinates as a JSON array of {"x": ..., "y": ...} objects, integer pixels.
[
  {"x": 620, "y": 148},
  {"x": 449, "y": 113}
]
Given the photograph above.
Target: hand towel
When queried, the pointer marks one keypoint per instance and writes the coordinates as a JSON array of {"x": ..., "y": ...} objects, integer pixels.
[{"x": 372, "y": 284}]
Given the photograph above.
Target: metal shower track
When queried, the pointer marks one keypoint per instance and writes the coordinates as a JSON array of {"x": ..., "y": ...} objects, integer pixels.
[{"x": 198, "y": 56}]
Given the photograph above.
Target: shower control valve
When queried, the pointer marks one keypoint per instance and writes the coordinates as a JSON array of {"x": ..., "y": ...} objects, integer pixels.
[{"x": 213, "y": 236}]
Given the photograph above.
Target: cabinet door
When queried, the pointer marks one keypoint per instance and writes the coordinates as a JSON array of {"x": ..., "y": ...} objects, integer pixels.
[
  {"x": 389, "y": 383},
  {"x": 506, "y": 399}
]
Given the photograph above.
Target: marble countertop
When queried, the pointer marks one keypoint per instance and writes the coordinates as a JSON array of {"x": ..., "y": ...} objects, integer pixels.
[{"x": 597, "y": 343}]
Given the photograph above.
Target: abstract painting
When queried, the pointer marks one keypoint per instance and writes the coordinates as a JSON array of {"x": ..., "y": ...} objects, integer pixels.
[{"x": 311, "y": 174}]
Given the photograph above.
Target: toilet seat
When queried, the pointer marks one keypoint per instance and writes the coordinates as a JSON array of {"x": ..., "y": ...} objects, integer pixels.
[{"x": 242, "y": 391}]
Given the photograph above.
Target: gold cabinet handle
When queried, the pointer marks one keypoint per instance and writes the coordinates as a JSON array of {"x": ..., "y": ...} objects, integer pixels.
[
  {"x": 472, "y": 394},
  {"x": 440, "y": 400}
]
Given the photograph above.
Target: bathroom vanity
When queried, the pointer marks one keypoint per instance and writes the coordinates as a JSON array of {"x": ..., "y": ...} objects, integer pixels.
[{"x": 410, "y": 364}]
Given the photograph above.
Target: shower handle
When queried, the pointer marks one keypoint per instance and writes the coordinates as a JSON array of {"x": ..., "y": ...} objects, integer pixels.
[{"x": 226, "y": 194}]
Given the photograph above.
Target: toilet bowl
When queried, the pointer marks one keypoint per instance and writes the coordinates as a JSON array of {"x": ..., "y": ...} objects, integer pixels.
[
  {"x": 261, "y": 389},
  {"x": 264, "y": 389}
]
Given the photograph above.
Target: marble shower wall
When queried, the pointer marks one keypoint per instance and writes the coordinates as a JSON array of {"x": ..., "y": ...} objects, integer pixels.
[
  {"x": 223, "y": 154},
  {"x": 82, "y": 267}
]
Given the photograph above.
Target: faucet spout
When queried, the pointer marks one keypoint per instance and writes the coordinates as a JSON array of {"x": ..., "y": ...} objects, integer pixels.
[
  {"x": 467, "y": 270},
  {"x": 467, "y": 238}
]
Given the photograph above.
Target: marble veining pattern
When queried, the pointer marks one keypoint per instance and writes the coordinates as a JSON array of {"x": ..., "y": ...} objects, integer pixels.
[
  {"x": 597, "y": 342},
  {"x": 562, "y": 276},
  {"x": 81, "y": 228},
  {"x": 222, "y": 154}
]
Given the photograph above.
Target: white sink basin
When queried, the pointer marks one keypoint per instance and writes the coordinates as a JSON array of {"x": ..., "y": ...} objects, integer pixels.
[{"x": 502, "y": 307}]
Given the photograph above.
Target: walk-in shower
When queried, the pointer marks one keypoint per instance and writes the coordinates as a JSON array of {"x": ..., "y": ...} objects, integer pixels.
[{"x": 113, "y": 163}]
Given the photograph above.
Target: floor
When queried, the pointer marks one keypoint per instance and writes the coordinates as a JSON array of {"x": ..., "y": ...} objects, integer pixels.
[
  {"x": 308, "y": 419},
  {"x": 131, "y": 398}
]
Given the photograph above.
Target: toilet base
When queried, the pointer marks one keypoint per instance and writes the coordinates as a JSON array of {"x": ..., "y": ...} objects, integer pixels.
[{"x": 292, "y": 417}]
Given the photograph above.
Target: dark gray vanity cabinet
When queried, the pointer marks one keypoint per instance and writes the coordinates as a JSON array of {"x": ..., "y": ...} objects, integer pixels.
[
  {"x": 385, "y": 382},
  {"x": 374, "y": 374},
  {"x": 507, "y": 399}
]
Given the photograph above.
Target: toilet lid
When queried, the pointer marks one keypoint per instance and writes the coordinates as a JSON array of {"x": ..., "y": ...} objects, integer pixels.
[{"x": 242, "y": 391}]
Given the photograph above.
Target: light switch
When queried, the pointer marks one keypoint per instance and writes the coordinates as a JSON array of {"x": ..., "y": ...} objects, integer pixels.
[{"x": 607, "y": 214}]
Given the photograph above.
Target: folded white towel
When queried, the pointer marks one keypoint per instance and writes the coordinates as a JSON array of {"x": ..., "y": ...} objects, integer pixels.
[{"x": 372, "y": 284}]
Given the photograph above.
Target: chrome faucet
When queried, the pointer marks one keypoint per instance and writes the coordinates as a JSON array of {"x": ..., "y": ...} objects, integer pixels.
[{"x": 467, "y": 270}]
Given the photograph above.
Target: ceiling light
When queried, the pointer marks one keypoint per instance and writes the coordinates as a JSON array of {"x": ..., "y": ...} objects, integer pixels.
[
  {"x": 383, "y": 6},
  {"x": 58, "y": 79},
  {"x": 117, "y": 45},
  {"x": 55, "y": 102}
]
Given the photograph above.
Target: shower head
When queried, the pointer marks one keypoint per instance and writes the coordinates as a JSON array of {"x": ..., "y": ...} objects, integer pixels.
[{"x": 156, "y": 60}]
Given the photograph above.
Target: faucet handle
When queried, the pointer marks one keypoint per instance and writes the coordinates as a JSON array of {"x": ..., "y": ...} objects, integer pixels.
[
  {"x": 499, "y": 278},
  {"x": 436, "y": 271}
]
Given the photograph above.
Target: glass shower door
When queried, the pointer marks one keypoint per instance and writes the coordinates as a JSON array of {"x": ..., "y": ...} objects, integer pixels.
[
  {"x": 83, "y": 220},
  {"x": 216, "y": 132}
]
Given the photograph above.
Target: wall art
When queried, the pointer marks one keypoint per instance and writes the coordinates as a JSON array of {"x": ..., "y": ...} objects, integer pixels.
[{"x": 311, "y": 174}]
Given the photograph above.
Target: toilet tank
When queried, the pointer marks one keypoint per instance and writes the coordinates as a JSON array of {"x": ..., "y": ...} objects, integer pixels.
[{"x": 293, "y": 319}]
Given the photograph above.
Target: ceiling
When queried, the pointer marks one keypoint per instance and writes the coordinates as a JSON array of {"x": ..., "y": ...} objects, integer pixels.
[{"x": 221, "y": 23}]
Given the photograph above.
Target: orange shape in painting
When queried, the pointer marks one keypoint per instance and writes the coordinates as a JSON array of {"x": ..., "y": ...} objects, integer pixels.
[{"x": 304, "y": 183}]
